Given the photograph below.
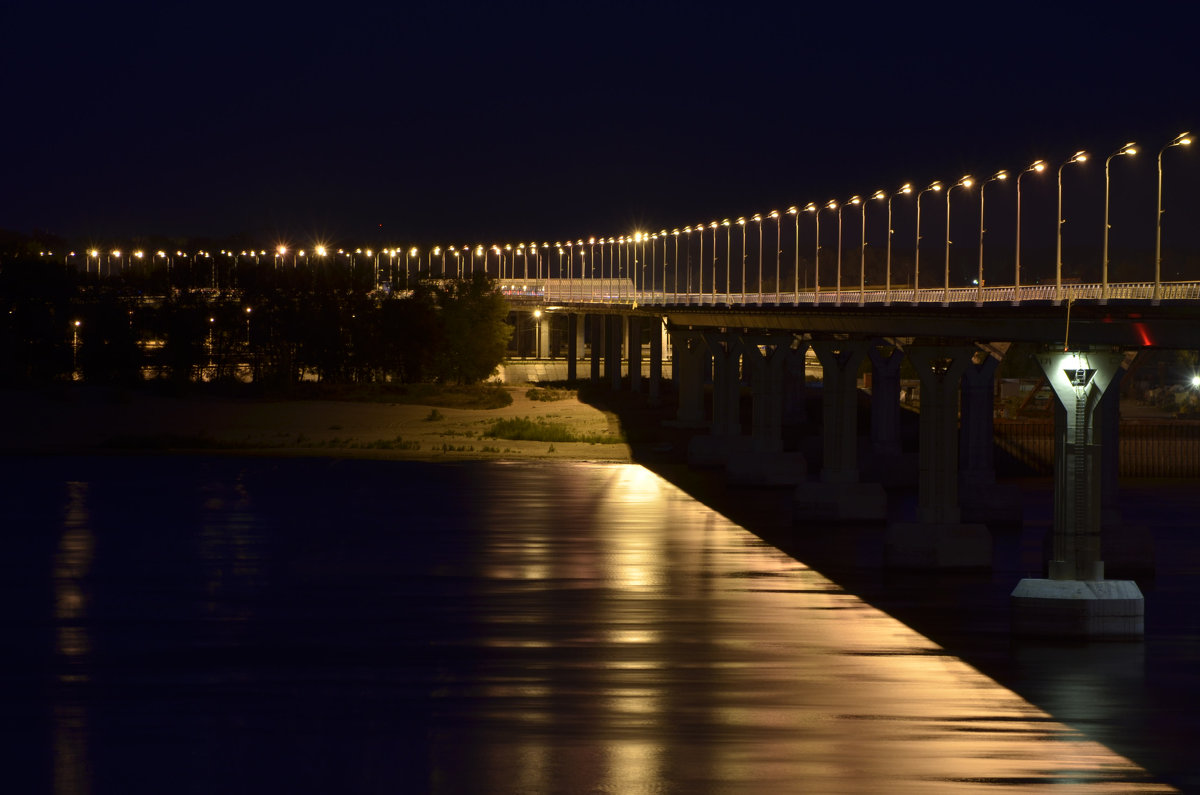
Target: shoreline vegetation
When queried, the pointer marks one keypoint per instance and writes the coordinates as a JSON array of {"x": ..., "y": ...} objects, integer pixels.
[{"x": 488, "y": 421}]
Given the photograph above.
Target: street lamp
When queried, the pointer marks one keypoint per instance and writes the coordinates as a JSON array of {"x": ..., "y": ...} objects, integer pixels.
[
  {"x": 741, "y": 221},
  {"x": 728, "y": 254},
  {"x": 794, "y": 211},
  {"x": 756, "y": 218},
  {"x": 1183, "y": 139},
  {"x": 862, "y": 272},
  {"x": 778, "y": 249},
  {"x": 856, "y": 200},
  {"x": 965, "y": 182},
  {"x": 1128, "y": 149},
  {"x": 906, "y": 188},
  {"x": 933, "y": 186},
  {"x": 1078, "y": 157},
  {"x": 1000, "y": 175},
  {"x": 1038, "y": 166},
  {"x": 675, "y": 289},
  {"x": 714, "y": 226}
]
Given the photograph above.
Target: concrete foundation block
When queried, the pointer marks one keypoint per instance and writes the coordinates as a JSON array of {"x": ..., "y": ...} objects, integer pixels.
[
  {"x": 1078, "y": 608},
  {"x": 923, "y": 545},
  {"x": 820, "y": 501},
  {"x": 713, "y": 452},
  {"x": 751, "y": 468}
]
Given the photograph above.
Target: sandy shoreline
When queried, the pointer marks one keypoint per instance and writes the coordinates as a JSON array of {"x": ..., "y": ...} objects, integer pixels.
[{"x": 95, "y": 420}]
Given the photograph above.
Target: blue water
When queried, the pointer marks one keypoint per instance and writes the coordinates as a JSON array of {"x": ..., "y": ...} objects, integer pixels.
[{"x": 234, "y": 625}]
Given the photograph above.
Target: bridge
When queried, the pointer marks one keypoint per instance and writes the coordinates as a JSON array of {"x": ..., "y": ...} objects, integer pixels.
[{"x": 954, "y": 337}]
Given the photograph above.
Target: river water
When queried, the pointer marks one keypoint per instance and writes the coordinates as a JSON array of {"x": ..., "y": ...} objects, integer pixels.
[{"x": 207, "y": 624}]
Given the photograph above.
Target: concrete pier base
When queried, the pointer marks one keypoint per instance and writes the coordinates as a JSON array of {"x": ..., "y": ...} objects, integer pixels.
[
  {"x": 754, "y": 468},
  {"x": 1078, "y": 608},
  {"x": 924, "y": 545},
  {"x": 985, "y": 501},
  {"x": 839, "y": 502}
]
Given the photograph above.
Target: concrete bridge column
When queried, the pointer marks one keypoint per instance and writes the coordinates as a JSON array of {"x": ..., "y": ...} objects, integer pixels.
[
  {"x": 612, "y": 363},
  {"x": 980, "y": 497},
  {"x": 1076, "y": 600},
  {"x": 725, "y": 436},
  {"x": 1127, "y": 547},
  {"x": 544, "y": 324},
  {"x": 839, "y": 496},
  {"x": 888, "y": 465},
  {"x": 573, "y": 346},
  {"x": 765, "y": 463},
  {"x": 656, "y": 359},
  {"x": 634, "y": 339},
  {"x": 689, "y": 354},
  {"x": 597, "y": 323},
  {"x": 795, "y": 390},
  {"x": 938, "y": 539}
]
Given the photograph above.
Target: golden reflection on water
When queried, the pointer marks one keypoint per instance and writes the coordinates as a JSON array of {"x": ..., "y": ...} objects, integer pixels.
[
  {"x": 702, "y": 658},
  {"x": 72, "y": 566}
]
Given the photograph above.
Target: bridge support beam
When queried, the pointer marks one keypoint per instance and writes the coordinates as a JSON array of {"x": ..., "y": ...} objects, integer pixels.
[
  {"x": 839, "y": 496},
  {"x": 765, "y": 463},
  {"x": 612, "y": 360},
  {"x": 572, "y": 346},
  {"x": 795, "y": 385},
  {"x": 981, "y": 498},
  {"x": 1076, "y": 600},
  {"x": 888, "y": 465},
  {"x": 656, "y": 360},
  {"x": 635, "y": 353},
  {"x": 725, "y": 436},
  {"x": 938, "y": 539},
  {"x": 689, "y": 355},
  {"x": 597, "y": 324}
]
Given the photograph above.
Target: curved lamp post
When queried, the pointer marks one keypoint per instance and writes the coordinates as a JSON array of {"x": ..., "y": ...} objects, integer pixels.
[
  {"x": 965, "y": 182},
  {"x": 794, "y": 211},
  {"x": 728, "y": 252},
  {"x": 1128, "y": 149},
  {"x": 778, "y": 249},
  {"x": 757, "y": 218},
  {"x": 855, "y": 200},
  {"x": 1183, "y": 139},
  {"x": 741, "y": 221},
  {"x": 1000, "y": 175},
  {"x": 1038, "y": 166},
  {"x": 906, "y": 188},
  {"x": 933, "y": 186},
  {"x": 1079, "y": 157}
]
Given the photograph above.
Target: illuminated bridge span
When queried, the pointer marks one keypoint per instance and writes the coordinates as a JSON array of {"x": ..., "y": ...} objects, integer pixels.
[{"x": 623, "y": 292}]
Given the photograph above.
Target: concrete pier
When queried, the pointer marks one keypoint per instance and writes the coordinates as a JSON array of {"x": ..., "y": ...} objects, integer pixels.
[{"x": 1076, "y": 599}]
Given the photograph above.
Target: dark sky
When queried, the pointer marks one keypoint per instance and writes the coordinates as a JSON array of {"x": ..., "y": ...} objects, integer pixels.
[{"x": 478, "y": 122}]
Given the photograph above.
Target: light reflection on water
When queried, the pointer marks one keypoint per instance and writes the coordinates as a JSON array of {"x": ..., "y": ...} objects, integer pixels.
[{"x": 374, "y": 626}]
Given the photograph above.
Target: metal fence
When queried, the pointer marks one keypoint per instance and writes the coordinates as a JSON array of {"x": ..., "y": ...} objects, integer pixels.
[{"x": 1149, "y": 448}]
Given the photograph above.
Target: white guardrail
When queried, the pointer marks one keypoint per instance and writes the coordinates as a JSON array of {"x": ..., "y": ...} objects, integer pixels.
[{"x": 622, "y": 292}]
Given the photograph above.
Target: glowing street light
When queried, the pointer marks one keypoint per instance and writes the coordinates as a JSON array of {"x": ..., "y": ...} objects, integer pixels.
[
  {"x": 1038, "y": 166},
  {"x": 855, "y": 200},
  {"x": 756, "y": 218},
  {"x": 794, "y": 211},
  {"x": 905, "y": 189},
  {"x": 714, "y": 226},
  {"x": 1183, "y": 139},
  {"x": 1000, "y": 175},
  {"x": 741, "y": 221},
  {"x": 408, "y": 255},
  {"x": 778, "y": 249},
  {"x": 1079, "y": 157},
  {"x": 933, "y": 186},
  {"x": 1128, "y": 149},
  {"x": 965, "y": 182}
]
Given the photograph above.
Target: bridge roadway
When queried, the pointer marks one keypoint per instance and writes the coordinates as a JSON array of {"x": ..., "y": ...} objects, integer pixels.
[
  {"x": 1129, "y": 318},
  {"x": 954, "y": 339}
]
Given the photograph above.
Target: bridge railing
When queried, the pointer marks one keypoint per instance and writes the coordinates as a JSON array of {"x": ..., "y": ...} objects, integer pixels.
[{"x": 621, "y": 291}]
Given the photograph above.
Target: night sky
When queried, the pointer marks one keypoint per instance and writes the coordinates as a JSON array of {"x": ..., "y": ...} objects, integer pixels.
[{"x": 474, "y": 122}]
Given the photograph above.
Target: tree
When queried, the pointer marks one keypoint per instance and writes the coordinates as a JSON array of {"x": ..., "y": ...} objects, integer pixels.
[{"x": 475, "y": 333}]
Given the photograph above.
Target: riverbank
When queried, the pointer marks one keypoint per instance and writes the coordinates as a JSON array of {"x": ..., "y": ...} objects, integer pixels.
[{"x": 91, "y": 419}]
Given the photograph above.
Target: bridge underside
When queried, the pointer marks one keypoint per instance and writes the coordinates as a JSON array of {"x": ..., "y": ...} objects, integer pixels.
[{"x": 1141, "y": 326}]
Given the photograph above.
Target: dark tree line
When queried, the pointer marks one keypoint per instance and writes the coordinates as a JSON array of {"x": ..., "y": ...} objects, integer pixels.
[{"x": 58, "y": 324}]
